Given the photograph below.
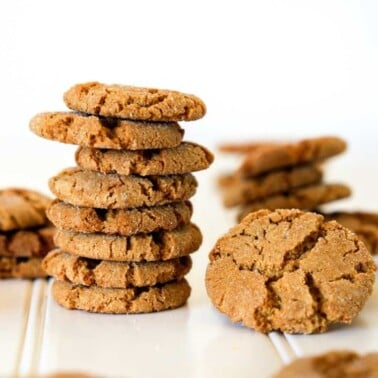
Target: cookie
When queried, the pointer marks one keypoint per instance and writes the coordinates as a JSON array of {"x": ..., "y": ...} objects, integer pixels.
[
  {"x": 95, "y": 132},
  {"x": 185, "y": 158},
  {"x": 363, "y": 224},
  {"x": 27, "y": 243},
  {"x": 120, "y": 221},
  {"x": 22, "y": 208},
  {"x": 289, "y": 271},
  {"x": 304, "y": 198},
  {"x": 21, "y": 267},
  {"x": 268, "y": 158},
  {"x": 240, "y": 191},
  {"x": 121, "y": 301},
  {"x": 92, "y": 189},
  {"x": 333, "y": 364},
  {"x": 103, "y": 273},
  {"x": 136, "y": 103},
  {"x": 163, "y": 245}
]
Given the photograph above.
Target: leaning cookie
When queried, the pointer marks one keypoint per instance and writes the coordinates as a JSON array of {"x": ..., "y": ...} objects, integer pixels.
[
  {"x": 95, "y": 132},
  {"x": 163, "y": 245},
  {"x": 122, "y": 301},
  {"x": 92, "y": 189},
  {"x": 185, "y": 158},
  {"x": 270, "y": 157},
  {"x": 339, "y": 363},
  {"x": 304, "y": 198},
  {"x": 113, "y": 274},
  {"x": 120, "y": 221},
  {"x": 289, "y": 271},
  {"x": 135, "y": 103},
  {"x": 21, "y": 267},
  {"x": 22, "y": 208}
]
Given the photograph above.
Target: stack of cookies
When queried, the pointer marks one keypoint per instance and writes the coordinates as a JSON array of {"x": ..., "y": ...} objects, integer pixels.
[
  {"x": 124, "y": 233},
  {"x": 25, "y": 233},
  {"x": 276, "y": 175}
]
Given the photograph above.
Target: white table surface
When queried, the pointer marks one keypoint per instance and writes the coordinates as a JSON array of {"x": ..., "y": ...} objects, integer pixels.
[{"x": 39, "y": 338}]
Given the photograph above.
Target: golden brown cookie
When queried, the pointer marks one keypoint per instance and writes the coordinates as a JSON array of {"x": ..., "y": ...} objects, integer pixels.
[
  {"x": 90, "y": 131},
  {"x": 22, "y": 208},
  {"x": 136, "y": 103},
  {"x": 121, "y": 301},
  {"x": 187, "y": 157},
  {"x": 363, "y": 224},
  {"x": 34, "y": 242},
  {"x": 103, "y": 273},
  {"x": 239, "y": 190},
  {"x": 333, "y": 364},
  {"x": 304, "y": 198},
  {"x": 21, "y": 267},
  {"x": 290, "y": 271},
  {"x": 120, "y": 221},
  {"x": 268, "y": 158},
  {"x": 92, "y": 189},
  {"x": 163, "y": 245}
]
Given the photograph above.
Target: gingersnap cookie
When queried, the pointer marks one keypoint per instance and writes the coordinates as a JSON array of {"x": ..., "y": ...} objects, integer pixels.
[
  {"x": 304, "y": 198},
  {"x": 121, "y": 301},
  {"x": 162, "y": 245},
  {"x": 21, "y": 267},
  {"x": 121, "y": 101},
  {"x": 103, "y": 273},
  {"x": 187, "y": 157},
  {"x": 22, "y": 208},
  {"x": 363, "y": 224},
  {"x": 120, "y": 221},
  {"x": 34, "y": 242},
  {"x": 289, "y": 271},
  {"x": 93, "y": 189},
  {"x": 240, "y": 190},
  {"x": 268, "y": 158},
  {"x": 338, "y": 363},
  {"x": 95, "y": 132}
]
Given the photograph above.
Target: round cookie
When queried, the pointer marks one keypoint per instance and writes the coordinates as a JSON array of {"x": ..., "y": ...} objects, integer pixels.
[
  {"x": 187, "y": 157},
  {"x": 119, "y": 221},
  {"x": 92, "y": 189},
  {"x": 21, "y": 267},
  {"x": 339, "y": 363},
  {"x": 290, "y": 271},
  {"x": 34, "y": 242},
  {"x": 121, "y": 301},
  {"x": 22, "y": 208},
  {"x": 163, "y": 245},
  {"x": 95, "y": 132},
  {"x": 135, "y": 103},
  {"x": 103, "y": 273},
  {"x": 304, "y": 198}
]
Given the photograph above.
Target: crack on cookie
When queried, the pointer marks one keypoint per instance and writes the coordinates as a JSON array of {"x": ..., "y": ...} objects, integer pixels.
[{"x": 316, "y": 295}]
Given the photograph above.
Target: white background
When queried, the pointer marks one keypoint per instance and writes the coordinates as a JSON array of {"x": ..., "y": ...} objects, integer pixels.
[{"x": 264, "y": 68}]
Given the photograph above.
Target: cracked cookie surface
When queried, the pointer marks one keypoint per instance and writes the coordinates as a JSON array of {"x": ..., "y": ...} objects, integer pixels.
[
  {"x": 95, "y": 132},
  {"x": 121, "y": 301},
  {"x": 290, "y": 271},
  {"x": 119, "y": 221},
  {"x": 103, "y": 273},
  {"x": 185, "y": 158},
  {"x": 22, "y": 208},
  {"x": 136, "y": 103},
  {"x": 333, "y": 364},
  {"x": 93, "y": 189},
  {"x": 162, "y": 245}
]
